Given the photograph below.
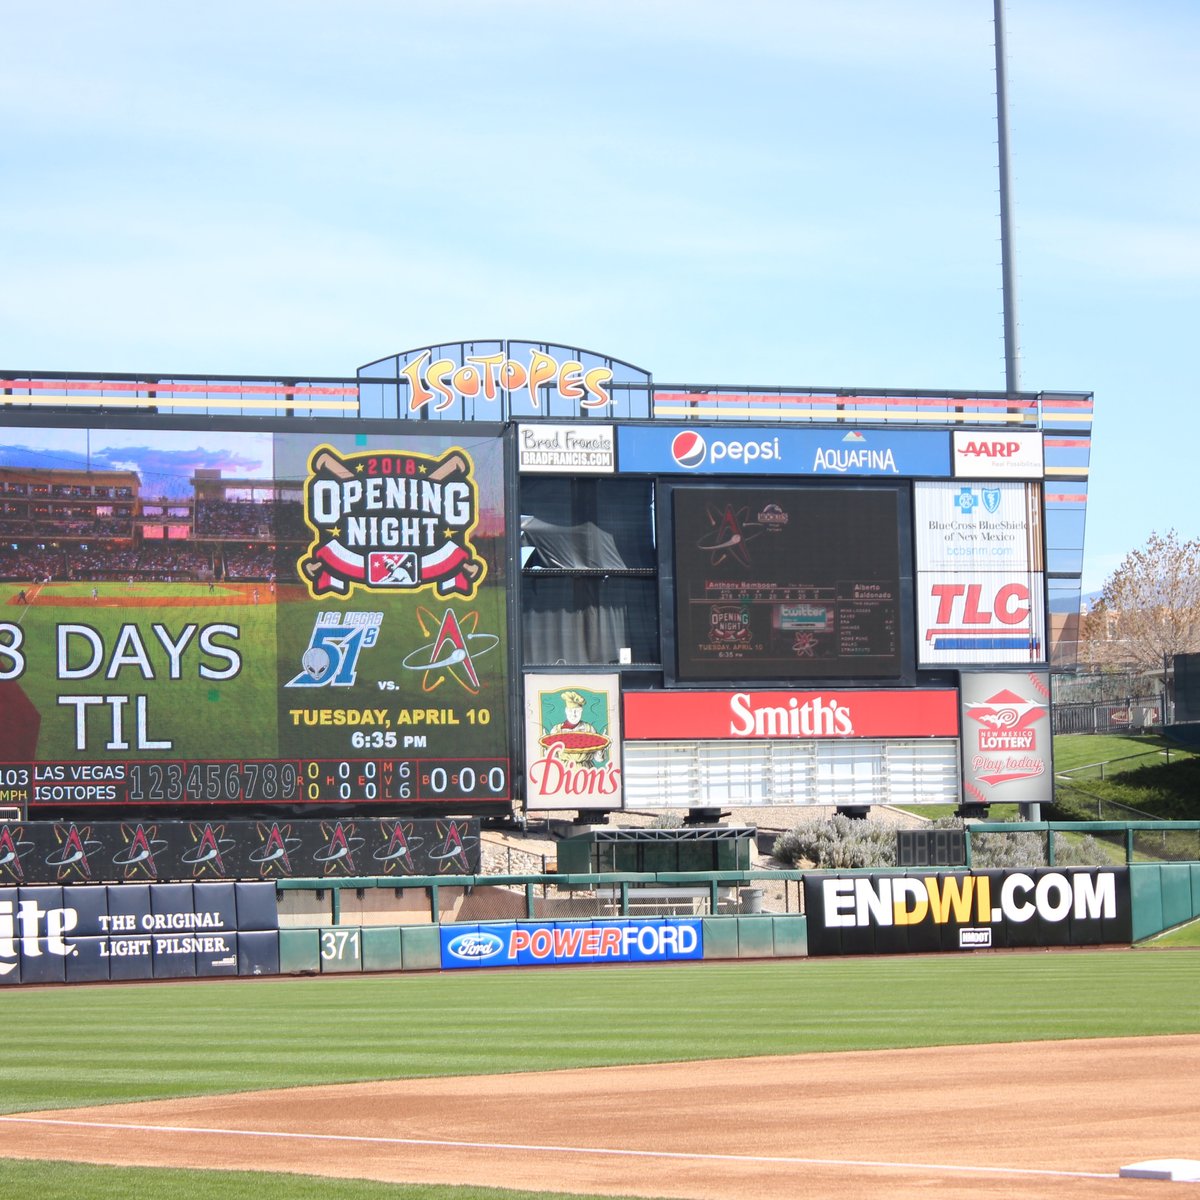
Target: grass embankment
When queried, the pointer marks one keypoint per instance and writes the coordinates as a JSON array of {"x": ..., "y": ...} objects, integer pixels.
[{"x": 1144, "y": 773}]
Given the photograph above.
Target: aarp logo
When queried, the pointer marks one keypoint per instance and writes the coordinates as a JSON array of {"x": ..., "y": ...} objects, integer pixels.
[{"x": 1008, "y": 454}]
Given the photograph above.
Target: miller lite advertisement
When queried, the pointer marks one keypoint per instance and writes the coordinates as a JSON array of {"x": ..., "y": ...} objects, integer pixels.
[{"x": 1007, "y": 745}]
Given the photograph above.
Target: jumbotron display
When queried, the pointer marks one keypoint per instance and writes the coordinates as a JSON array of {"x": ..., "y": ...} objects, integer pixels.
[
  {"x": 247, "y": 618},
  {"x": 787, "y": 582}
]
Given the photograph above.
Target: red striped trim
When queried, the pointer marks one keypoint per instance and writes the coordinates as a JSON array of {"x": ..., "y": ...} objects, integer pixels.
[
  {"x": 839, "y": 401},
  {"x": 97, "y": 385},
  {"x": 1049, "y": 405},
  {"x": 1056, "y": 441},
  {"x": 1065, "y": 498}
]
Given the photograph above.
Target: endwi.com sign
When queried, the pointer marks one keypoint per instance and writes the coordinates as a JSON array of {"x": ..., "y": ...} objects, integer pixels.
[{"x": 898, "y": 914}]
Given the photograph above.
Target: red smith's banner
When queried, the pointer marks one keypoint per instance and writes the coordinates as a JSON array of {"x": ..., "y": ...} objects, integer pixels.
[{"x": 878, "y": 713}]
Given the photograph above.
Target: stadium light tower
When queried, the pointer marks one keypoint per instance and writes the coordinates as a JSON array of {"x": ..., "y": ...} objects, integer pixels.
[
  {"x": 1012, "y": 357},
  {"x": 1012, "y": 372}
]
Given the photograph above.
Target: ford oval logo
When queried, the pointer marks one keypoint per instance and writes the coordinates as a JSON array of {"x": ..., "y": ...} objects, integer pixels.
[{"x": 475, "y": 946}]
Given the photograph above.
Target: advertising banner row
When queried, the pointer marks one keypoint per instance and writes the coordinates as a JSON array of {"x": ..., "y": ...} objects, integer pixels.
[
  {"x": 920, "y": 913},
  {"x": 57, "y": 852},
  {"x": 79, "y": 934},
  {"x": 766, "y": 450}
]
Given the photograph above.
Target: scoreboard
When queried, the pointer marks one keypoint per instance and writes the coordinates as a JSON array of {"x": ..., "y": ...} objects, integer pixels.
[
  {"x": 318, "y": 621},
  {"x": 786, "y": 582}
]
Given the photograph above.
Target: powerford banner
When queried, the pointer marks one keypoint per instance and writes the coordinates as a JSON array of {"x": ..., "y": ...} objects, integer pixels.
[
  {"x": 85, "y": 934},
  {"x": 770, "y": 450},
  {"x": 1007, "y": 741},
  {"x": 560, "y": 942},
  {"x": 917, "y": 913}
]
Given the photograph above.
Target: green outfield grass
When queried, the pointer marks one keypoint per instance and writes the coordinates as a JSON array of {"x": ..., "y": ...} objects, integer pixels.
[
  {"x": 73, "y": 1181},
  {"x": 90, "y": 1045}
]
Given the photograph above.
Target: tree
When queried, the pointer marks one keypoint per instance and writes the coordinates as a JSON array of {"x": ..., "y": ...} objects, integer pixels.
[{"x": 1151, "y": 603}]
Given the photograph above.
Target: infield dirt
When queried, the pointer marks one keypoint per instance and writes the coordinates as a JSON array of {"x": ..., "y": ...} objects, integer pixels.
[{"x": 1046, "y": 1119}]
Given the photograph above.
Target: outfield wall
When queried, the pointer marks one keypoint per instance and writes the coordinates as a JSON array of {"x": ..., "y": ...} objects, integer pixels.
[{"x": 120, "y": 932}]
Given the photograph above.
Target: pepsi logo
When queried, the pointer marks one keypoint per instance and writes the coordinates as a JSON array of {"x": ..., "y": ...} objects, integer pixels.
[{"x": 689, "y": 449}]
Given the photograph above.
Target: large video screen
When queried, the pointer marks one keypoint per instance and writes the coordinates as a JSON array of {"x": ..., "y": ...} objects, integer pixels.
[
  {"x": 787, "y": 583},
  {"x": 247, "y": 618}
]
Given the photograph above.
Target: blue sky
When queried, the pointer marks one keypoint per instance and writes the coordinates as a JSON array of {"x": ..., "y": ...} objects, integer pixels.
[{"x": 786, "y": 192}]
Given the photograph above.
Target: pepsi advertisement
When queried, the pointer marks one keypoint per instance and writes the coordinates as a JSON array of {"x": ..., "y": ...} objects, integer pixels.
[{"x": 772, "y": 450}]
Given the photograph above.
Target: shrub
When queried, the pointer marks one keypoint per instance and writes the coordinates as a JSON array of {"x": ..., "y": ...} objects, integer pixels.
[
  {"x": 841, "y": 843},
  {"x": 837, "y": 843}
]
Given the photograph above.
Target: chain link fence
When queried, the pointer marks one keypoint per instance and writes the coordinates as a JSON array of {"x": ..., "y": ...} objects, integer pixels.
[{"x": 777, "y": 893}]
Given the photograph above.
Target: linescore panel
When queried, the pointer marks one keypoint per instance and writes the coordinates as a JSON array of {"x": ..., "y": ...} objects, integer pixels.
[{"x": 257, "y": 782}]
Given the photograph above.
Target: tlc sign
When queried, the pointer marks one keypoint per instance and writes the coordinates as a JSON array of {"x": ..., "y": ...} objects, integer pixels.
[
  {"x": 997, "y": 454},
  {"x": 999, "y": 619}
]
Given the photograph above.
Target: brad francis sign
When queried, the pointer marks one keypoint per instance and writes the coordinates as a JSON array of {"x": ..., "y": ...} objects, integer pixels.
[{"x": 771, "y": 450}]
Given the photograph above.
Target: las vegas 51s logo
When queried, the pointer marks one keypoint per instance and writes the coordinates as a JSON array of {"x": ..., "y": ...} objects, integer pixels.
[{"x": 337, "y": 639}]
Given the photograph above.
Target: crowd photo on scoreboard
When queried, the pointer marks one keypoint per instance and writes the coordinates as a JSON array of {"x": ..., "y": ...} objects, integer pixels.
[{"x": 104, "y": 530}]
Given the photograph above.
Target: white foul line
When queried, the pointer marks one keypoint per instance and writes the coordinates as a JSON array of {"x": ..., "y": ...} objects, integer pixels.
[{"x": 598, "y": 1150}]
